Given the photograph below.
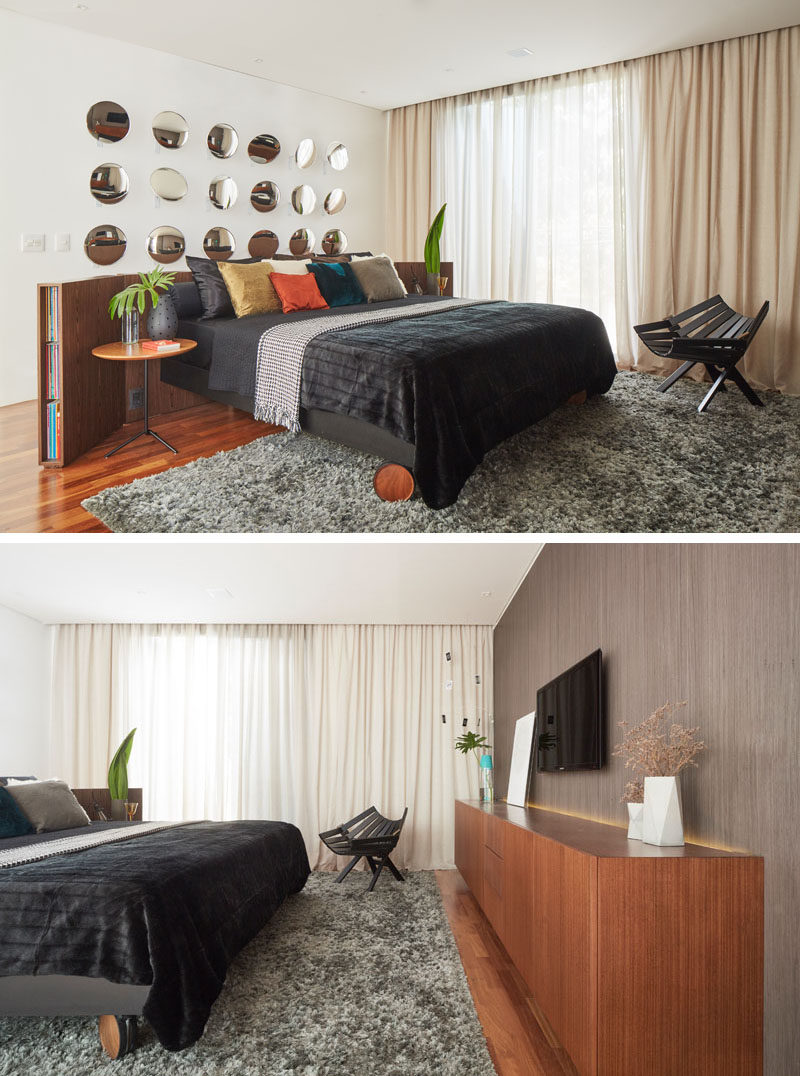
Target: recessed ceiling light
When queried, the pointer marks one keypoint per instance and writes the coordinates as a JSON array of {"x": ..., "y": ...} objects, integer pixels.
[
  {"x": 449, "y": 69},
  {"x": 218, "y": 592},
  {"x": 362, "y": 91},
  {"x": 486, "y": 593},
  {"x": 520, "y": 54},
  {"x": 257, "y": 60},
  {"x": 81, "y": 7}
]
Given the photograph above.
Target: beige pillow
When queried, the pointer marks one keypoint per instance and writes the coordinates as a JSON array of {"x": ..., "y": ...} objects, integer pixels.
[
  {"x": 290, "y": 266},
  {"x": 362, "y": 257},
  {"x": 48, "y": 805},
  {"x": 250, "y": 288},
  {"x": 378, "y": 279}
]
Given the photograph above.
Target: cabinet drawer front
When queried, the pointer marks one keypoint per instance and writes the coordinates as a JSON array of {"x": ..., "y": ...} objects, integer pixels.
[
  {"x": 493, "y": 833},
  {"x": 493, "y": 886}
]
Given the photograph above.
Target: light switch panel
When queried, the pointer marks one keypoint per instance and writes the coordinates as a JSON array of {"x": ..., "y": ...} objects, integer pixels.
[
  {"x": 32, "y": 243},
  {"x": 62, "y": 242}
]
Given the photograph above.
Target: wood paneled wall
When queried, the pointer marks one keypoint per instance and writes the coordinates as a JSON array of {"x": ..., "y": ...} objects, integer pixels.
[{"x": 717, "y": 624}]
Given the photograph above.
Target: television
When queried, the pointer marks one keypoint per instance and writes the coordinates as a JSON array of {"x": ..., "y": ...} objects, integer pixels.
[{"x": 570, "y": 732}]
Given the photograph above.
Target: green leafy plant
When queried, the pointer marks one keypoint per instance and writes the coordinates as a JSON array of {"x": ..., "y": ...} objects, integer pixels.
[
  {"x": 137, "y": 294},
  {"x": 433, "y": 262},
  {"x": 470, "y": 741},
  {"x": 118, "y": 770}
]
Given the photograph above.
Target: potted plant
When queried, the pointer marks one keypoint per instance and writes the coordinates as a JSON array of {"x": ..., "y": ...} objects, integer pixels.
[
  {"x": 471, "y": 741},
  {"x": 129, "y": 303},
  {"x": 118, "y": 777},
  {"x": 657, "y": 750},
  {"x": 433, "y": 263}
]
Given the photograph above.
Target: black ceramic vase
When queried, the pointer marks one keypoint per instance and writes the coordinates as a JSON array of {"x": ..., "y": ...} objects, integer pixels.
[{"x": 162, "y": 321}]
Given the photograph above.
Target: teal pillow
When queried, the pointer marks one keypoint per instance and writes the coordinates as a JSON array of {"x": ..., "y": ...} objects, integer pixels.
[
  {"x": 337, "y": 283},
  {"x": 13, "y": 823}
]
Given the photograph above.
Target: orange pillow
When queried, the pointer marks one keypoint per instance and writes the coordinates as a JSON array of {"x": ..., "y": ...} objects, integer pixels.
[{"x": 298, "y": 291}]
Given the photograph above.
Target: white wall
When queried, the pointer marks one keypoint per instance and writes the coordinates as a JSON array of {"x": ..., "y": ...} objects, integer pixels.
[
  {"x": 50, "y": 76},
  {"x": 24, "y": 694}
]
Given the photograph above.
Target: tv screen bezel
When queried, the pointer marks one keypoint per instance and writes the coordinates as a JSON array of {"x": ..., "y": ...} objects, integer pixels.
[{"x": 601, "y": 715}]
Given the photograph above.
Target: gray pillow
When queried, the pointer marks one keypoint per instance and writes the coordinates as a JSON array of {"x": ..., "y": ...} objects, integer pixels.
[
  {"x": 48, "y": 805},
  {"x": 378, "y": 279}
]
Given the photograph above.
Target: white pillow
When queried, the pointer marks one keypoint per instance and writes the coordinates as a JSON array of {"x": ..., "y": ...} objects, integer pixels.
[
  {"x": 363, "y": 257},
  {"x": 289, "y": 267}
]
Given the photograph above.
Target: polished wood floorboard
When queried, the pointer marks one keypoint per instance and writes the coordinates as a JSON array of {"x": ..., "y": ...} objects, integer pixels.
[
  {"x": 34, "y": 498},
  {"x": 519, "y": 1039}
]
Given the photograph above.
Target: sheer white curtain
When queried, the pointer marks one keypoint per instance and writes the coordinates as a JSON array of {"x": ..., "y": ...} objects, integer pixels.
[
  {"x": 309, "y": 724},
  {"x": 533, "y": 176}
]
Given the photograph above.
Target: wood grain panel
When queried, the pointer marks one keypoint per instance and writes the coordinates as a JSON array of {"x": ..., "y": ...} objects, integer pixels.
[
  {"x": 469, "y": 847},
  {"x": 719, "y": 625},
  {"x": 695, "y": 925},
  {"x": 561, "y": 963},
  {"x": 493, "y": 899},
  {"x": 88, "y": 797},
  {"x": 517, "y": 933}
]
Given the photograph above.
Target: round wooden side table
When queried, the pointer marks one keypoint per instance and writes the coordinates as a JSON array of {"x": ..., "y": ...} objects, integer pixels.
[{"x": 119, "y": 352}]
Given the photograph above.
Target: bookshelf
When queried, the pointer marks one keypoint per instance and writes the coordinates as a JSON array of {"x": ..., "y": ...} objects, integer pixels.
[{"x": 83, "y": 400}]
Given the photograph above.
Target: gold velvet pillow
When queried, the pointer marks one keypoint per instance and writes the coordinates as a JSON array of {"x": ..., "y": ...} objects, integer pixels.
[{"x": 250, "y": 288}]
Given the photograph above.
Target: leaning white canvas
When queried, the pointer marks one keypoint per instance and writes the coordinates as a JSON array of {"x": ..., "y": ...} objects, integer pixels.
[{"x": 521, "y": 760}]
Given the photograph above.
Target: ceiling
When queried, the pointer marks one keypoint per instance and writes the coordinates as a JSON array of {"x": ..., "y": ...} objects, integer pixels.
[
  {"x": 385, "y": 55},
  {"x": 289, "y": 582}
]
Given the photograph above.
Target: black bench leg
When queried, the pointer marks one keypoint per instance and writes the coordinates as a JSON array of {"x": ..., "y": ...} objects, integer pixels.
[
  {"x": 668, "y": 382},
  {"x": 737, "y": 379},
  {"x": 376, "y": 873},
  {"x": 348, "y": 868},
  {"x": 712, "y": 392},
  {"x": 393, "y": 869}
]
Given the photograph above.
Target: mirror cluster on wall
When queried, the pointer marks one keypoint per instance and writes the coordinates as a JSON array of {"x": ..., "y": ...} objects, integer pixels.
[{"x": 108, "y": 122}]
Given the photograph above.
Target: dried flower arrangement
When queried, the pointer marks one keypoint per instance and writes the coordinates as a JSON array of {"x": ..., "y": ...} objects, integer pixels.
[{"x": 656, "y": 749}]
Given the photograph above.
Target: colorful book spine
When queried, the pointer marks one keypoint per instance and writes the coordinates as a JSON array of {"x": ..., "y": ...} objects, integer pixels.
[{"x": 52, "y": 373}]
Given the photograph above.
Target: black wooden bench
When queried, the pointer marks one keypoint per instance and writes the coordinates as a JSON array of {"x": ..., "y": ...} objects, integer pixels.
[
  {"x": 368, "y": 835},
  {"x": 710, "y": 333}
]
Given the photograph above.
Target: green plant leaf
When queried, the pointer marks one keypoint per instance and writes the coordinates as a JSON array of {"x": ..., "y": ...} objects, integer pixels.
[
  {"x": 432, "y": 259},
  {"x": 118, "y": 770}
]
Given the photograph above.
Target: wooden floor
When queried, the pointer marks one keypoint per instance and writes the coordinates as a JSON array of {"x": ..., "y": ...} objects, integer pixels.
[
  {"x": 517, "y": 1034},
  {"x": 33, "y": 498}
]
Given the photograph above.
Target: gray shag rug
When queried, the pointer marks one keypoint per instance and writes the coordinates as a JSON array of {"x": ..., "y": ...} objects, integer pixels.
[
  {"x": 340, "y": 982},
  {"x": 634, "y": 460}
]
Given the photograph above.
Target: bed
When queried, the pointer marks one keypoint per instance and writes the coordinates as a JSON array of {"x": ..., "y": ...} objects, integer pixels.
[
  {"x": 430, "y": 394},
  {"x": 146, "y": 925}
]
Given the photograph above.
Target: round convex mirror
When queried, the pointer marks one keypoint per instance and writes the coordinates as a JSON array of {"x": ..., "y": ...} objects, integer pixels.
[
  {"x": 109, "y": 183},
  {"x": 303, "y": 199},
  {"x": 335, "y": 201},
  {"x": 107, "y": 121},
  {"x": 337, "y": 155},
  {"x": 105, "y": 244},
  {"x": 168, "y": 184},
  {"x": 263, "y": 244},
  {"x": 334, "y": 241},
  {"x": 302, "y": 242},
  {"x": 223, "y": 192},
  {"x": 306, "y": 153},
  {"x": 265, "y": 196},
  {"x": 170, "y": 130},
  {"x": 219, "y": 244},
  {"x": 263, "y": 149},
  {"x": 222, "y": 140},
  {"x": 166, "y": 244}
]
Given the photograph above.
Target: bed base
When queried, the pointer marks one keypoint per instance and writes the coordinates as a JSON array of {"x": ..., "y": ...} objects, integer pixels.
[
  {"x": 394, "y": 478},
  {"x": 79, "y": 995}
]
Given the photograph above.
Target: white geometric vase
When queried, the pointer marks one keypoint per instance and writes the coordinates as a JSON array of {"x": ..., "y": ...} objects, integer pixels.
[
  {"x": 635, "y": 811},
  {"x": 662, "y": 821}
]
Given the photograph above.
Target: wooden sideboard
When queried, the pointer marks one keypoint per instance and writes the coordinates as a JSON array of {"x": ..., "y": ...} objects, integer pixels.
[{"x": 643, "y": 959}]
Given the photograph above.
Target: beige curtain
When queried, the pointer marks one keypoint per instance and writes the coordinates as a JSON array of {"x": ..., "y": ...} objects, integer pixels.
[
  {"x": 409, "y": 180},
  {"x": 720, "y": 190},
  {"x": 305, "y": 723},
  {"x": 699, "y": 193}
]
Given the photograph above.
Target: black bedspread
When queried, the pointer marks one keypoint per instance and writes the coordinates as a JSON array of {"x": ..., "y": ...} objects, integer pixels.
[
  {"x": 454, "y": 385},
  {"x": 171, "y": 909}
]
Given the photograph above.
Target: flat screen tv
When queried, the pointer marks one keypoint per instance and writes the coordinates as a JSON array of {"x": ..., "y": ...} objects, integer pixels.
[{"x": 570, "y": 733}]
